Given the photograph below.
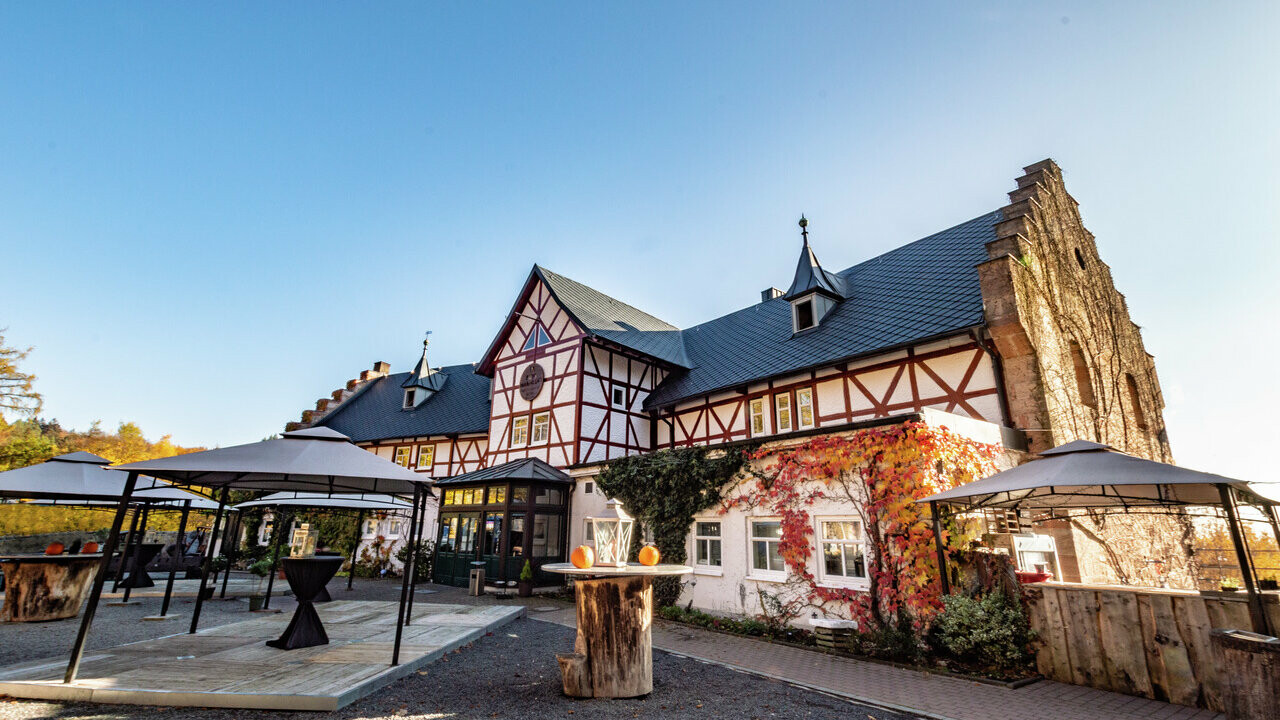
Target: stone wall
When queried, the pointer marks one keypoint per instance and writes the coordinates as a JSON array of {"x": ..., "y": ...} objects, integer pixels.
[
  {"x": 1075, "y": 368},
  {"x": 1074, "y": 363}
]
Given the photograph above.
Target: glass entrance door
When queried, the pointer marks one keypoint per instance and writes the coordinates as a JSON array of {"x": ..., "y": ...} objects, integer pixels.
[
  {"x": 491, "y": 545},
  {"x": 456, "y": 548}
]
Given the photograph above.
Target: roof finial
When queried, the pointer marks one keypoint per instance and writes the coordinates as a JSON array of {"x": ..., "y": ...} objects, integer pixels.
[
  {"x": 804, "y": 228},
  {"x": 426, "y": 340}
]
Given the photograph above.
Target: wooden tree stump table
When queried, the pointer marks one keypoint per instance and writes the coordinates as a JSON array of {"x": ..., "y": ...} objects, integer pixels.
[
  {"x": 45, "y": 587},
  {"x": 613, "y": 654}
]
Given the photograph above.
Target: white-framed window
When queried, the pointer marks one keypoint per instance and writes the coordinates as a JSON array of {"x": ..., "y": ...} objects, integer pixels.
[
  {"x": 520, "y": 431},
  {"x": 706, "y": 544},
  {"x": 764, "y": 536},
  {"x": 619, "y": 396},
  {"x": 426, "y": 456},
  {"x": 842, "y": 551},
  {"x": 541, "y": 427},
  {"x": 803, "y": 314},
  {"x": 402, "y": 456},
  {"x": 369, "y": 528},
  {"x": 394, "y": 528},
  {"x": 758, "y": 426},
  {"x": 410, "y": 396},
  {"x": 782, "y": 406},
  {"x": 804, "y": 408}
]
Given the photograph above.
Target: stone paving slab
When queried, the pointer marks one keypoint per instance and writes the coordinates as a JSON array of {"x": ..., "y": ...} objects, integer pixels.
[{"x": 231, "y": 667}]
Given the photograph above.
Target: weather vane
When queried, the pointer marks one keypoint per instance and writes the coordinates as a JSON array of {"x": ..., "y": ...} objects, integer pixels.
[
  {"x": 804, "y": 227},
  {"x": 427, "y": 339}
]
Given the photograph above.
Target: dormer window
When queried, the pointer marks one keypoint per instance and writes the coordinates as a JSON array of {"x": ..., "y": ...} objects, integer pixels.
[
  {"x": 814, "y": 291},
  {"x": 410, "y": 398},
  {"x": 803, "y": 311}
]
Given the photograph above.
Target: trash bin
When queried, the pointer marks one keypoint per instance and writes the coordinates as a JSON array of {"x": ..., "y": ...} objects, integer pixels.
[
  {"x": 1250, "y": 671},
  {"x": 476, "y": 587}
]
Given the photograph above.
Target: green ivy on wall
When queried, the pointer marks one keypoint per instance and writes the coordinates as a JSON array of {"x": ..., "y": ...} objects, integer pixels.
[{"x": 663, "y": 490}]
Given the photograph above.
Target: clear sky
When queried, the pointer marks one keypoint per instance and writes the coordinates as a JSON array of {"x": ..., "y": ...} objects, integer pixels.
[{"x": 213, "y": 214}]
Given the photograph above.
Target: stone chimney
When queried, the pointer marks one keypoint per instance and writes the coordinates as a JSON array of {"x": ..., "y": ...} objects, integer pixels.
[{"x": 769, "y": 294}]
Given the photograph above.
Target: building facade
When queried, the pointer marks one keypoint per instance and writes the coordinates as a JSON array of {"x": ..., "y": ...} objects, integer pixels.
[{"x": 1006, "y": 328}]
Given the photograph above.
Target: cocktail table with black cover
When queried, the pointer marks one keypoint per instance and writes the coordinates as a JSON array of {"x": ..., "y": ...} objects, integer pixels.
[
  {"x": 306, "y": 576},
  {"x": 138, "y": 577}
]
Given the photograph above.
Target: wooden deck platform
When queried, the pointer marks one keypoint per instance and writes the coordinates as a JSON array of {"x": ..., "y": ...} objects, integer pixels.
[{"x": 231, "y": 667}]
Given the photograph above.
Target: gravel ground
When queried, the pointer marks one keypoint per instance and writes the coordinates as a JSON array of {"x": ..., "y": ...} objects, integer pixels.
[{"x": 513, "y": 674}]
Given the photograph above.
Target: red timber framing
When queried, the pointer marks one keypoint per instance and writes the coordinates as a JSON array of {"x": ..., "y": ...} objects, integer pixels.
[
  {"x": 451, "y": 454},
  {"x": 956, "y": 376},
  {"x": 607, "y": 430},
  {"x": 560, "y": 359}
]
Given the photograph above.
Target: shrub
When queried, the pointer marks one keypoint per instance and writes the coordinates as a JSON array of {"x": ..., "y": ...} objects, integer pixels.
[
  {"x": 426, "y": 554},
  {"x": 897, "y": 642},
  {"x": 990, "y": 633},
  {"x": 526, "y": 572},
  {"x": 748, "y": 626}
]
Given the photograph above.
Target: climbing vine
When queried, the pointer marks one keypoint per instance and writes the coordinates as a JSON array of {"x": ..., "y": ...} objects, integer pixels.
[
  {"x": 880, "y": 472},
  {"x": 663, "y": 490}
]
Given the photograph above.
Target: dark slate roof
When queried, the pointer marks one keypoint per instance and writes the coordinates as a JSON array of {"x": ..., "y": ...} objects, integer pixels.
[
  {"x": 526, "y": 469},
  {"x": 616, "y": 321},
  {"x": 926, "y": 289},
  {"x": 375, "y": 413}
]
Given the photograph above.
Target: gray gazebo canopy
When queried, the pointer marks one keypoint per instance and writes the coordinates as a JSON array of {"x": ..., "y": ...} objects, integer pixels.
[
  {"x": 1083, "y": 474},
  {"x": 82, "y": 478},
  {"x": 311, "y": 460},
  {"x": 1088, "y": 475},
  {"x": 324, "y": 501}
]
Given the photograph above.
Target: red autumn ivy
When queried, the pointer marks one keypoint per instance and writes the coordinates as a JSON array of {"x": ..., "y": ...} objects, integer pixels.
[{"x": 881, "y": 472}]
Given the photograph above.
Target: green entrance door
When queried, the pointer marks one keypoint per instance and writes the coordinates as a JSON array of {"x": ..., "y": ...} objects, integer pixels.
[
  {"x": 491, "y": 546},
  {"x": 456, "y": 548}
]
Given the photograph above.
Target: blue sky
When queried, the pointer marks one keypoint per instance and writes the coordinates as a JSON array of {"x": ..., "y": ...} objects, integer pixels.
[{"x": 211, "y": 215}]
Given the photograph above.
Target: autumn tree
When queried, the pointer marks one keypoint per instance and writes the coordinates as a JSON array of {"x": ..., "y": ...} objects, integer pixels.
[{"x": 17, "y": 389}]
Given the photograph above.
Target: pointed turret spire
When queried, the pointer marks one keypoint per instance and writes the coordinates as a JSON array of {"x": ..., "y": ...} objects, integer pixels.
[
  {"x": 810, "y": 277},
  {"x": 423, "y": 376}
]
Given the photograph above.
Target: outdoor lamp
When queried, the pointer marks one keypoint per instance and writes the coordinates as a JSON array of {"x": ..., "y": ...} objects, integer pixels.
[{"x": 612, "y": 533}]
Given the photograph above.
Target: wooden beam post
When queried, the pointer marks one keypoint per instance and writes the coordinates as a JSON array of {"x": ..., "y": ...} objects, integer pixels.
[
  {"x": 1257, "y": 614},
  {"x": 99, "y": 581},
  {"x": 940, "y": 548}
]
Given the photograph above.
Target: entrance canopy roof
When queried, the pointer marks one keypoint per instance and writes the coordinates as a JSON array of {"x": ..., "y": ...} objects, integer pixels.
[
  {"x": 1083, "y": 474},
  {"x": 531, "y": 469},
  {"x": 311, "y": 460},
  {"x": 82, "y": 478},
  {"x": 323, "y": 501}
]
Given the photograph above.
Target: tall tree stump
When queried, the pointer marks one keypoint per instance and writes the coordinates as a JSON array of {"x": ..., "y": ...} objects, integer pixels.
[
  {"x": 40, "y": 588},
  {"x": 1250, "y": 669},
  {"x": 613, "y": 653}
]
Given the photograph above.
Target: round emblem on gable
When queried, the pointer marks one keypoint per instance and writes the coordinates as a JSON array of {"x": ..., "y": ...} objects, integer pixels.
[{"x": 531, "y": 381}]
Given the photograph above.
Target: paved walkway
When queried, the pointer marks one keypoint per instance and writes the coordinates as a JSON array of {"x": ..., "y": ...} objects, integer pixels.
[{"x": 907, "y": 691}]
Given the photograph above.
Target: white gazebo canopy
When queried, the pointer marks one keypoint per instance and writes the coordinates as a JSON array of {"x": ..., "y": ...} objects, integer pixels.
[
  {"x": 323, "y": 501},
  {"x": 82, "y": 478}
]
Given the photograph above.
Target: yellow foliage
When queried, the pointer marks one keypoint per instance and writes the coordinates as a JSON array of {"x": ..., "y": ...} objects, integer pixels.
[{"x": 25, "y": 519}]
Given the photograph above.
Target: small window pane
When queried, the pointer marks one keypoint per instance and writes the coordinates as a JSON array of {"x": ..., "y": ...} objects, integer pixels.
[
  {"x": 517, "y": 534},
  {"x": 497, "y": 495},
  {"x": 520, "y": 495},
  {"x": 709, "y": 528},
  {"x": 766, "y": 529}
]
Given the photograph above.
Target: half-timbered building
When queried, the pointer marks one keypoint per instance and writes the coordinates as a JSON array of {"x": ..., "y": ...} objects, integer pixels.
[{"x": 1006, "y": 327}]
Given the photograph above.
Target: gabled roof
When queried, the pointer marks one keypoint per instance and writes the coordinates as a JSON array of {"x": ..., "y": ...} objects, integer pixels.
[
  {"x": 926, "y": 289},
  {"x": 531, "y": 469},
  {"x": 376, "y": 412},
  {"x": 599, "y": 316}
]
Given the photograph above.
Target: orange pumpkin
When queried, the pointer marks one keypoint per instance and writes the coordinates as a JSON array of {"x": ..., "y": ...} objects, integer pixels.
[
  {"x": 89, "y": 548},
  {"x": 583, "y": 557},
  {"x": 55, "y": 548},
  {"x": 649, "y": 555}
]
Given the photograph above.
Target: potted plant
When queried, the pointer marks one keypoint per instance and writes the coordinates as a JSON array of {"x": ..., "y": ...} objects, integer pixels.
[
  {"x": 525, "y": 586},
  {"x": 1229, "y": 585},
  {"x": 1268, "y": 584}
]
